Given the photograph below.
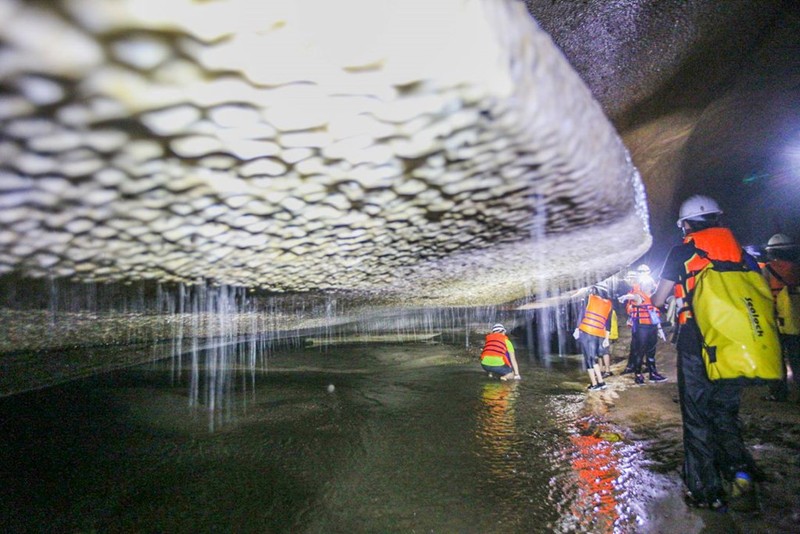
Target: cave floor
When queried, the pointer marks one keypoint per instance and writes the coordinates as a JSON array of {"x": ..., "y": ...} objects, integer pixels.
[{"x": 771, "y": 431}]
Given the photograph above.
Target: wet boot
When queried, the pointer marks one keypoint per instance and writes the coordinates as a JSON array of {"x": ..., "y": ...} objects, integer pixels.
[{"x": 655, "y": 376}]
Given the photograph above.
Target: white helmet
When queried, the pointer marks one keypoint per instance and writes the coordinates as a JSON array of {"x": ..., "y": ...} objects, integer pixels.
[
  {"x": 780, "y": 241},
  {"x": 643, "y": 269},
  {"x": 601, "y": 288},
  {"x": 694, "y": 207},
  {"x": 498, "y": 328}
]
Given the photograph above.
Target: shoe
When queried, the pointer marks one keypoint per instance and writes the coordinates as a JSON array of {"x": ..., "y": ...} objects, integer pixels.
[
  {"x": 774, "y": 398},
  {"x": 626, "y": 371},
  {"x": 639, "y": 379},
  {"x": 597, "y": 387},
  {"x": 590, "y": 387},
  {"x": 607, "y": 374},
  {"x": 715, "y": 504},
  {"x": 655, "y": 377},
  {"x": 602, "y": 385},
  {"x": 743, "y": 496}
]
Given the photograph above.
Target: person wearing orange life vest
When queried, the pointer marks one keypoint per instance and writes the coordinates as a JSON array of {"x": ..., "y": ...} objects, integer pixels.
[
  {"x": 714, "y": 452},
  {"x": 592, "y": 333},
  {"x": 498, "y": 357},
  {"x": 645, "y": 329},
  {"x": 782, "y": 269},
  {"x": 641, "y": 278}
]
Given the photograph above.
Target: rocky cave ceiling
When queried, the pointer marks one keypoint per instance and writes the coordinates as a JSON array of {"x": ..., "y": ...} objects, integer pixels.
[
  {"x": 706, "y": 96},
  {"x": 163, "y": 145}
]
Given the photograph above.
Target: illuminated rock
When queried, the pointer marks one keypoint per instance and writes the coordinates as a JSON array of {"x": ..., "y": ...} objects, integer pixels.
[{"x": 447, "y": 148}]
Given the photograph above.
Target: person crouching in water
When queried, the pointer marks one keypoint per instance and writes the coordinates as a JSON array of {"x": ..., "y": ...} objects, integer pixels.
[
  {"x": 497, "y": 356},
  {"x": 593, "y": 332}
]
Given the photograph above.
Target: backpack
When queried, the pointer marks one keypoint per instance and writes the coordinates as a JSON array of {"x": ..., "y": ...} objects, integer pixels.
[
  {"x": 787, "y": 306},
  {"x": 734, "y": 310}
]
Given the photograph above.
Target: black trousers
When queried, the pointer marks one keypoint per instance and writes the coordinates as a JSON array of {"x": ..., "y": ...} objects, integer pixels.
[
  {"x": 643, "y": 347},
  {"x": 790, "y": 346},
  {"x": 712, "y": 439}
]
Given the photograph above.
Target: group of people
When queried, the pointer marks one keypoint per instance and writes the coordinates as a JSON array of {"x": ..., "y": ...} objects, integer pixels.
[
  {"x": 718, "y": 470},
  {"x": 595, "y": 326}
]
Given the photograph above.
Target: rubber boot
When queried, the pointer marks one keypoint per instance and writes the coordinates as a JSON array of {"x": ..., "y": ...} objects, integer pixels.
[{"x": 654, "y": 374}]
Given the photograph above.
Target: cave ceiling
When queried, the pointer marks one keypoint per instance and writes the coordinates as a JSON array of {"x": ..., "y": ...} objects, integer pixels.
[
  {"x": 427, "y": 153},
  {"x": 706, "y": 95}
]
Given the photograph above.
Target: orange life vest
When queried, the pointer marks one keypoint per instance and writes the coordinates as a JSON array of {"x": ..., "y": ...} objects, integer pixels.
[
  {"x": 719, "y": 244},
  {"x": 495, "y": 351},
  {"x": 788, "y": 273},
  {"x": 595, "y": 317},
  {"x": 640, "y": 313}
]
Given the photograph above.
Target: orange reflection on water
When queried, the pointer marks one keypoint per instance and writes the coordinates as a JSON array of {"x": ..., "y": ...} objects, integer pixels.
[
  {"x": 497, "y": 426},
  {"x": 596, "y": 462}
]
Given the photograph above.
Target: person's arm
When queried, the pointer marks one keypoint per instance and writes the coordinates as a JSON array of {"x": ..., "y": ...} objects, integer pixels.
[
  {"x": 663, "y": 291},
  {"x": 670, "y": 273},
  {"x": 512, "y": 356}
]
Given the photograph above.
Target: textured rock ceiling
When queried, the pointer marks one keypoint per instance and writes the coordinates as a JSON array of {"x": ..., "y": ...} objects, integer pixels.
[
  {"x": 430, "y": 152},
  {"x": 427, "y": 152},
  {"x": 706, "y": 95}
]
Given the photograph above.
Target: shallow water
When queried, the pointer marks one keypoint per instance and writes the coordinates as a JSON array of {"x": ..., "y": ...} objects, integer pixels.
[{"x": 358, "y": 438}]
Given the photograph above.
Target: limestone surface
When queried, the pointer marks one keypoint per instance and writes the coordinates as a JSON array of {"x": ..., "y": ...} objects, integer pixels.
[{"x": 424, "y": 152}]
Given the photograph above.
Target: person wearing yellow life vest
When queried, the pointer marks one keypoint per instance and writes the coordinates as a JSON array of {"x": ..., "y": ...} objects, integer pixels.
[
  {"x": 715, "y": 456},
  {"x": 783, "y": 270},
  {"x": 645, "y": 330},
  {"x": 592, "y": 333},
  {"x": 605, "y": 361},
  {"x": 498, "y": 357}
]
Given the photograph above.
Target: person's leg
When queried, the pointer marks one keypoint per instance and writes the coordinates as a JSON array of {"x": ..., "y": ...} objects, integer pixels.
[
  {"x": 729, "y": 449},
  {"x": 590, "y": 346},
  {"x": 651, "y": 342},
  {"x": 792, "y": 355},
  {"x": 599, "y": 376},
  {"x": 779, "y": 389},
  {"x": 607, "y": 365},
  {"x": 699, "y": 471},
  {"x": 629, "y": 366},
  {"x": 639, "y": 346},
  {"x": 498, "y": 371},
  {"x": 590, "y": 363}
]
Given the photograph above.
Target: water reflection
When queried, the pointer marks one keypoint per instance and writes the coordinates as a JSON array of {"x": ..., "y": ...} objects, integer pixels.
[
  {"x": 497, "y": 432},
  {"x": 596, "y": 462}
]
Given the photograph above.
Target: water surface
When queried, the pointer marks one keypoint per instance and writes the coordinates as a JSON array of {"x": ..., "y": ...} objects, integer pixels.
[{"x": 355, "y": 438}]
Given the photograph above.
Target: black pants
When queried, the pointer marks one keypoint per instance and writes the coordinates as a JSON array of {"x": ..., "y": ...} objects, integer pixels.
[
  {"x": 712, "y": 440},
  {"x": 790, "y": 346},
  {"x": 643, "y": 347}
]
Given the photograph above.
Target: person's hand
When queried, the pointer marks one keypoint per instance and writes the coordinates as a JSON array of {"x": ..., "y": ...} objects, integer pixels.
[
  {"x": 517, "y": 377},
  {"x": 576, "y": 334},
  {"x": 661, "y": 335},
  {"x": 605, "y": 343}
]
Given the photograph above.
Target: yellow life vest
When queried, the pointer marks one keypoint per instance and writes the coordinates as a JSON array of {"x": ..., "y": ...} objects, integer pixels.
[
  {"x": 614, "y": 326},
  {"x": 784, "y": 281}
]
